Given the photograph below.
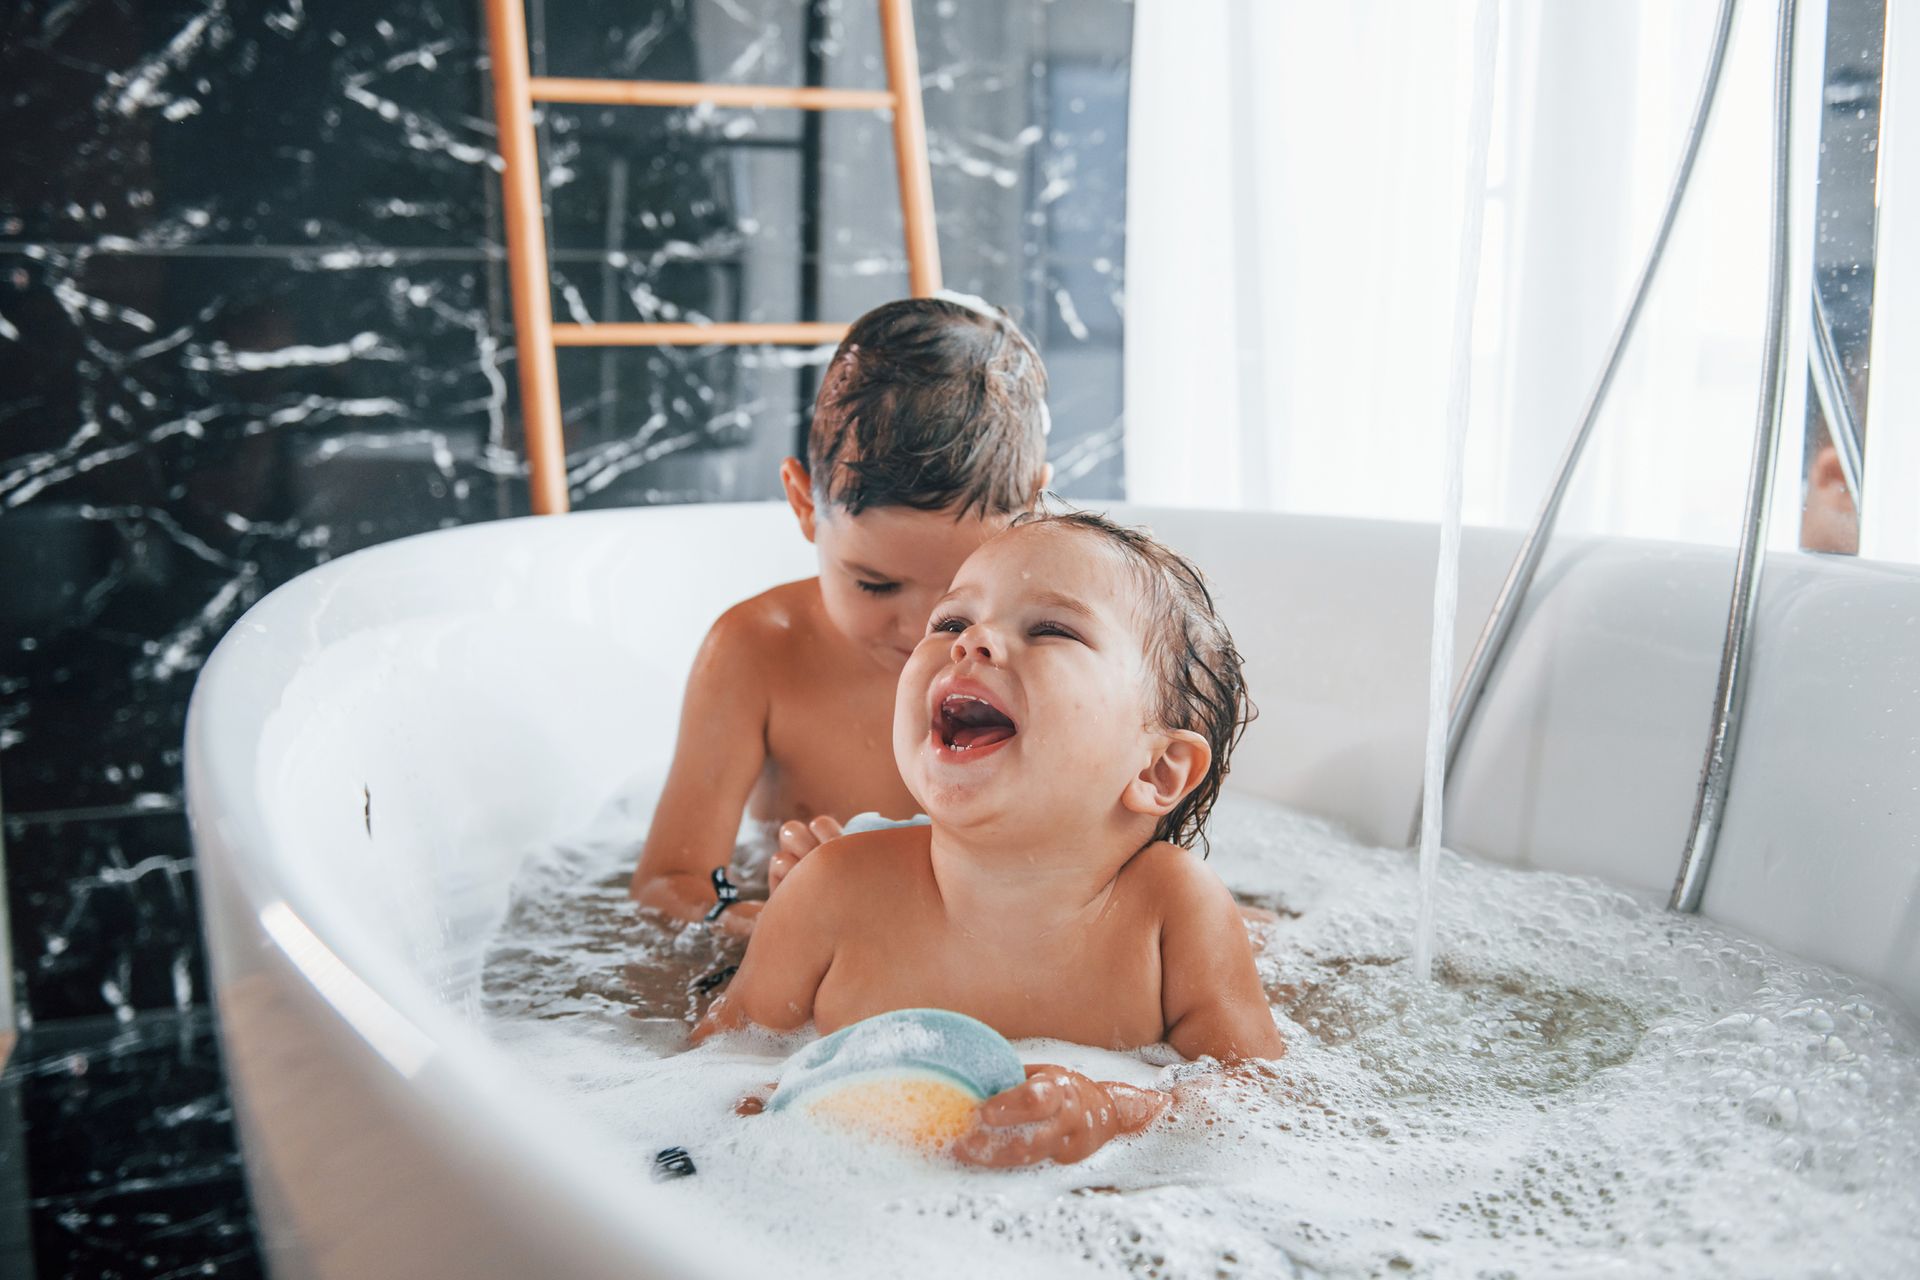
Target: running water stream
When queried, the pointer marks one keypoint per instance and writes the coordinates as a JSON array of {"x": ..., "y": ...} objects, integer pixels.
[{"x": 1446, "y": 575}]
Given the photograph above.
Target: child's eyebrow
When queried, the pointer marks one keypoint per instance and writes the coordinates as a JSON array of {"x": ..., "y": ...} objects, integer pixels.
[{"x": 1056, "y": 600}]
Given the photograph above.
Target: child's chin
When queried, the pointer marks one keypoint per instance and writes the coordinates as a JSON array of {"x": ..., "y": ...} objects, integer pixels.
[
  {"x": 955, "y": 779},
  {"x": 957, "y": 807}
]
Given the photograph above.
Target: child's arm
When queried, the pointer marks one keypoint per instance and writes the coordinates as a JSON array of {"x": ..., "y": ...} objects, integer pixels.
[
  {"x": 788, "y": 955},
  {"x": 716, "y": 761},
  {"x": 1210, "y": 993},
  {"x": 1213, "y": 1005}
]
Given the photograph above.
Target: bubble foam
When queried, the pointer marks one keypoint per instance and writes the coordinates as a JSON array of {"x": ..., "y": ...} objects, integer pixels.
[{"x": 1590, "y": 1086}]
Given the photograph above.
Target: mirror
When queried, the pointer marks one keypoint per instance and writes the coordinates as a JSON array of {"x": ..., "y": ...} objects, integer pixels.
[{"x": 1845, "y": 220}]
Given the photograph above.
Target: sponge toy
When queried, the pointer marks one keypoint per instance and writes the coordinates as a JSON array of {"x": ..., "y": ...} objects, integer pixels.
[{"x": 915, "y": 1077}]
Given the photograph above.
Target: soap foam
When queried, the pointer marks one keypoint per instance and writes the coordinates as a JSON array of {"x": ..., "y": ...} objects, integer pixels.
[{"x": 1590, "y": 1086}]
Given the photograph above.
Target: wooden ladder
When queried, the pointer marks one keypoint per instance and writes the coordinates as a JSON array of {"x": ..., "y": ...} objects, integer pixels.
[{"x": 515, "y": 91}]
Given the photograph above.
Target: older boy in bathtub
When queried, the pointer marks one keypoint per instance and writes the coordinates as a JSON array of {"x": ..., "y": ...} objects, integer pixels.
[
  {"x": 928, "y": 437},
  {"x": 1066, "y": 722}
]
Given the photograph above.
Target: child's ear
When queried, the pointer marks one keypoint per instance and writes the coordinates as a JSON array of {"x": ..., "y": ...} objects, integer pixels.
[
  {"x": 799, "y": 489},
  {"x": 1176, "y": 769},
  {"x": 1046, "y": 482},
  {"x": 1827, "y": 472}
]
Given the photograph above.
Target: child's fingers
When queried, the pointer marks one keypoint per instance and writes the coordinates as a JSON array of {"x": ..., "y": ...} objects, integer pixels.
[
  {"x": 1078, "y": 1136},
  {"x": 1135, "y": 1109},
  {"x": 737, "y": 921},
  {"x": 797, "y": 839},
  {"x": 1056, "y": 1115},
  {"x": 802, "y": 838},
  {"x": 1065, "y": 1137},
  {"x": 1040, "y": 1097}
]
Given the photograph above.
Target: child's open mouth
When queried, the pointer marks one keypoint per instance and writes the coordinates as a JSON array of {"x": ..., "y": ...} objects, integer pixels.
[{"x": 966, "y": 723}]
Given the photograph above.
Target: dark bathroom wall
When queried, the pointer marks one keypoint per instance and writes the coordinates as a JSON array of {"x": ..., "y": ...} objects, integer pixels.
[{"x": 252, "y": 316}]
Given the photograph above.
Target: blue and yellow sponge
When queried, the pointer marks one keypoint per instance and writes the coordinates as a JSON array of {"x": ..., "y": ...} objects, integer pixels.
[{"x": 916, "y": 1077}]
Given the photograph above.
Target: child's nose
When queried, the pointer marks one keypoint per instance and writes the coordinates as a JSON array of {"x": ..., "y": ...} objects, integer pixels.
[{"x": 973, "y": 642}]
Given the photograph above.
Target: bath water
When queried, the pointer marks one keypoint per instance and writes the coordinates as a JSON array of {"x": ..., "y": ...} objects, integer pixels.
[{"x": 1589, "y": 1086}]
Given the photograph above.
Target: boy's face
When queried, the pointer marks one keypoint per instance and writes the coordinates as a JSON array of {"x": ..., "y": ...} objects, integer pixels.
[
  {"x": 882, "y": 570},
  {"x": 1029, "y": 695}
]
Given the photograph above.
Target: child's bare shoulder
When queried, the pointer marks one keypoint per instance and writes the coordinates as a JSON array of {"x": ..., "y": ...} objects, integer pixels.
[
  {"x": 1175, "y": 880},
  {"x": 764, "y": 633},
  {"x": 877, "y": 864},
  {"x": 771, "y": 617},
  {"x": 892, "y": 854}
]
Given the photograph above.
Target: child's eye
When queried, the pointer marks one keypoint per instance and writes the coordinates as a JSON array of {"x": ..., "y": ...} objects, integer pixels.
[
  {"x": 950, "y": 623},
  {"x": 1054, "y": 629},
  {"x": 876, "y": 588}
]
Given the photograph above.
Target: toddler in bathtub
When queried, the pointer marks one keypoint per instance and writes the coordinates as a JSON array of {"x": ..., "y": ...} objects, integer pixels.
[
  {"x": 1066, "y": 722},
  {"x": 928, "y": 437}
]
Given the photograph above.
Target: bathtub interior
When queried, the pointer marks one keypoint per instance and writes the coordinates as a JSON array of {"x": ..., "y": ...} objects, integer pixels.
[
  {"x": 1587, "y": 748},
  {"x": 454, "y": 702},
  {"x": 457, "y": 711}
]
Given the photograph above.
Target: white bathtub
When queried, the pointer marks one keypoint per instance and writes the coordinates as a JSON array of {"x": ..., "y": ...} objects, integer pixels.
[{"x": 374, "y": 747}]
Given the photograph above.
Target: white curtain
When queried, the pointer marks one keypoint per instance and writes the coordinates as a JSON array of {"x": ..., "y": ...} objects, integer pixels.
[{"x": 1294, "y": 193}]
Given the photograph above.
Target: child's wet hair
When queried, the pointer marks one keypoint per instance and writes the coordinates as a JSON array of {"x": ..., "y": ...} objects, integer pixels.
[
  {"x": 933, "y": 405},
  {"x": 1190, "y": 657}
]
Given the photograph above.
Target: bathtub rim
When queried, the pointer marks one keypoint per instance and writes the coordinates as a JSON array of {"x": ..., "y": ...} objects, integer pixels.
[{"x": 225, "y": 820}]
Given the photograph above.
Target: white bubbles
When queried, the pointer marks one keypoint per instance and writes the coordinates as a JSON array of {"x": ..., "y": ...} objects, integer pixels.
[
  {"x": 1774, "y": 1104},
  {"x": 1592, "y": 1086}
]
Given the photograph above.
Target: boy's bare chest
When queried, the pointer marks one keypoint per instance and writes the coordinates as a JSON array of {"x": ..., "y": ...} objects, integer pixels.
[
  {"x": 1100, "y": 989},
  {"x": 830, "y": 751}
]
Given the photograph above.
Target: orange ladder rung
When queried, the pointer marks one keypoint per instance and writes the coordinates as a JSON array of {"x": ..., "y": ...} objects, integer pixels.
[
  {"x": 537, "y": 337},
  {"x": 659, "y": 334},
  {"x": 669, "y": 93}
]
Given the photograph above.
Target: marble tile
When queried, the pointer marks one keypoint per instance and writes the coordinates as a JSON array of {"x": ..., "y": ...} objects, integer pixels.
[
  {"x": 113, "y": 1107},
  {"x": 662, "y": 192},
  {"x": 83, "y": 731},
  {"x": 266, "y": 122},
  {"x": 656, "y": 217},
  {"x": 124, "y": 364},
  {"x": 184, "y": 435},
  {"x": 646, "y": 426},
  {"x": 126, "y": 1142},
  {"x": 166, "y": 1233},
  {"x": 722, "y": 41},
  {"x": 16, "y": 1229},
  {"x": 103, "y": 915},
  {"x": 1026, "y": 133}
]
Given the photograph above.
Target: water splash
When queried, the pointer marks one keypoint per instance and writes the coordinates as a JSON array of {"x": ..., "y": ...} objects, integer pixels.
[{"x": 1446, "y": 577}]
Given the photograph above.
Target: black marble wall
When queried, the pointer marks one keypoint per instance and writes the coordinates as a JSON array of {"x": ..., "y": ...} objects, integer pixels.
[{"x": 253, "y": 316}]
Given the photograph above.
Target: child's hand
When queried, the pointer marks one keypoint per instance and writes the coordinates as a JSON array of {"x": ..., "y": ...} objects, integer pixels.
[
  {"x": 797, "y": 840},
  {"x": 1056, "y": 1115},
  {"x": 737, "y": 921}
]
